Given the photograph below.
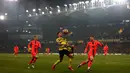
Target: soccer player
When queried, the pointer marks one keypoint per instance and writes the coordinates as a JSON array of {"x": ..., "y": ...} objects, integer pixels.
[
  {"x": 47, "y": 51},
  {"x": 91, "y": 48},
  {"x": 33, "y": 47},
  {"x": 105, "y": 49},
  {"x": 16, "y": 50},
  {"x": 63, "y": 50}
]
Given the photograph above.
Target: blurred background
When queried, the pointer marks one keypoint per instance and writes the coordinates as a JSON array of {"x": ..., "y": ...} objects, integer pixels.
[{"x": 107, "y": 20}]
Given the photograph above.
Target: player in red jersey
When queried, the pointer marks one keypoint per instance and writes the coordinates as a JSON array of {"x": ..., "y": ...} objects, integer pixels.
[
  {"x": 16, "y": 50},
  {"x": 33, "y": 48},
  {"x": 105, "y": 49},
  {"x": 91, "y": 48},
  {"x": 47, "y": 51}
]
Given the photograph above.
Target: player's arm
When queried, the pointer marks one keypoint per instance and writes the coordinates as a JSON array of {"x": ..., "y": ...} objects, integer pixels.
[
  {"x": 39, "y": 45},
  {"x": 58, "y": 41},
  {"x": 100, "y": 44},
  {"x": 86, "y": 48},
  {"x": 29, "y": 46}
]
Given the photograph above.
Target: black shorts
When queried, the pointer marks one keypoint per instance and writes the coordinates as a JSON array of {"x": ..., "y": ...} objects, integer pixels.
[{"x": 64, "y": 52}]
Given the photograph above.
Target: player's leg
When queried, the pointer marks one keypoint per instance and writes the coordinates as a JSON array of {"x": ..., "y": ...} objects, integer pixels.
[
  {"x": 61, "y": 55},
  {"x": 90, "y": 60},
  {"x": 70, "y": 56},
  {"x": 47, "y": 52},
  {"x": 16, "y": 53},
  {"x": 31, "y": 61},
  {"x": 35, "y": 59},
  {"x": 105, "y": 52},
  {"x": 84, "y": 62}
]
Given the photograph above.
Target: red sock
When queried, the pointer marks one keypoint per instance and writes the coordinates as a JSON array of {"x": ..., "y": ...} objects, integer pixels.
[
  {"x": 83, "y": 63},
  {"x": 31, "y": 61},
  {"x": 90, "y": 63},
  {"x": 34, "y": 60}
]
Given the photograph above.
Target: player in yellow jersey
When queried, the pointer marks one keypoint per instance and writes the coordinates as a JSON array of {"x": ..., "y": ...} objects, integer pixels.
[{"x": 63, "y": 50}]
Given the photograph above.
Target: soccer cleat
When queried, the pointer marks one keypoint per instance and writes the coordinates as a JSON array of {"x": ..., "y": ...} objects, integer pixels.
[
  {"x": 89, "y": 70},
  {"x": 70, "y": 68},
  {"x": 33, "y": 66},
  {"x": 28, "y": 67},
  {"x": 53, "y": 67},
  {"x": 79, "y": 66}
]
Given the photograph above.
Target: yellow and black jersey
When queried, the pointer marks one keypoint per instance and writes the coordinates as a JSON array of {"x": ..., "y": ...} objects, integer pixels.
[{"x": 62, "y": 43}]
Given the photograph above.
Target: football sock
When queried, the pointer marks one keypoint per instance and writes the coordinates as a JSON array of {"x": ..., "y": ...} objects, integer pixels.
[
  {"x": 83, "y": 63},
  {"x": 70, "y": 61},
  {"x": 57, "y": 62},
  {"x": 89, "y": 64},
  {"x": 34, "y": 60},
  {"x": 31, "y": 61}
]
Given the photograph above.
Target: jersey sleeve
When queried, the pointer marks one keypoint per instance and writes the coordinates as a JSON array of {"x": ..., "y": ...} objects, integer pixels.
[
  {"x": 29, "y": 45},
  {"x": 39, "y": 45},
  {"x": 86, "y": 48},
  {"x": 100, "y": 44}
]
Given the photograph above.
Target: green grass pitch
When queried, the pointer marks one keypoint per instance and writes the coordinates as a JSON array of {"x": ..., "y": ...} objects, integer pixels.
[{"x": 101, "y": 64}]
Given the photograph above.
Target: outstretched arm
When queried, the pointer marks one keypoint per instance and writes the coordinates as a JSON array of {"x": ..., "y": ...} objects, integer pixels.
[
  {"x": 29, "y": 45},
  {"x": 40, "y": 45},
  {"x": 100, "y": 44},
  {"x": 86, "y": 48}
]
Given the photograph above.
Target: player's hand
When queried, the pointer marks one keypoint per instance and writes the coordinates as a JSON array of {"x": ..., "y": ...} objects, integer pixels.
[{"x": 29, "y": 49}]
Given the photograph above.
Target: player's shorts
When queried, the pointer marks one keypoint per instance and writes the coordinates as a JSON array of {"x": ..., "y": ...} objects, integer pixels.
[
  {"x": 91, "y": 54},
  {"x": 34, "y": 54},
  {"x": 65, "y": 52}
]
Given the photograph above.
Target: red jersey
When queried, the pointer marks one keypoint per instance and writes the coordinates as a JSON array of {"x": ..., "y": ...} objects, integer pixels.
[
  {"x": 92, "y": 46},
  {"x": 47, "y": 49},
  {"x": 34, "y": 45},
  {"x": 16, "y": 49},
  {"x": 105, "y": 48}
]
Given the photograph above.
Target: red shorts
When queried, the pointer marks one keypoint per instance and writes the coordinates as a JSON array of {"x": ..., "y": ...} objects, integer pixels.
[
  {"x": 90, "y": 54},
  {"x": 34, "y": 54}
]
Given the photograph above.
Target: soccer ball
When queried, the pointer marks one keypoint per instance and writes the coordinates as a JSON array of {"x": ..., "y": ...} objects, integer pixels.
[{"x": 65, "y": 31}]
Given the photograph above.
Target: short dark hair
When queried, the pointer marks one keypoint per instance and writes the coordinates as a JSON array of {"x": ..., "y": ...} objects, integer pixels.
[
  {"x": 35, "y": 36},
  {"x": 59, "y": 32},
  {"x": 91, "y": 35}
]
